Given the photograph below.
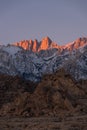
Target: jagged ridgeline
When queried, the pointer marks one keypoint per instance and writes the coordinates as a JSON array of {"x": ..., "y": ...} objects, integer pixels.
[{"x": 32, "y": 59}]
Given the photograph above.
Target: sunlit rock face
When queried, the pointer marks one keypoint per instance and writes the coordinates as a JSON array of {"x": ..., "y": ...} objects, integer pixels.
[
  {"x": 76, "y": 44},
  {"x": 28, "y": 45},
  {"x": 32, "y": 59},
  {"x": 45, "y": 44},
  {"x": 35, "y": 46}
]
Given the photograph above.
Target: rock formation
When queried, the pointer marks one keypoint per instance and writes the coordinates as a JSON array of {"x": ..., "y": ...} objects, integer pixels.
[
  {"x": 46, "y": 43},
  {"x": 56, "y": 94}
]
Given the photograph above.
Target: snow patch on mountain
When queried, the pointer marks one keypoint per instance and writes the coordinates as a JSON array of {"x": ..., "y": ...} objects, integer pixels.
[
  {"x": 11, "y": 49},
  {"x": 14, "y": 60}
]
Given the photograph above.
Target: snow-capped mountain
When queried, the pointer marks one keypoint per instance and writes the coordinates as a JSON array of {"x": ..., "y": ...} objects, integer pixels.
[{"x": 32, "y": 59}]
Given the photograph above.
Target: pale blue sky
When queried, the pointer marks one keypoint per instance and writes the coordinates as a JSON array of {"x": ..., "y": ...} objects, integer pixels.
[{"x": 62, "y": 20}]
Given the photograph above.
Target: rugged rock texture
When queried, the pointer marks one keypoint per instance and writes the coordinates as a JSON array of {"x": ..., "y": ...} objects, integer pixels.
[
  {"x": 46, "y": 44},
  {"x": 15, "y": 60},
  {"x": 28, "y": 45},
  {"x": 76, "y": 44},
  {"x": 36, "y": 46},
  {"x": 77, "y": 64},
  {"x": 11, "y": 86},
  {"x": 57, "y": 94}
]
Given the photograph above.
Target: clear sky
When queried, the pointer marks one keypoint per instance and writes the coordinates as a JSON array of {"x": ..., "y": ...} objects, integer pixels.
[{"x": 62, "y": 20}]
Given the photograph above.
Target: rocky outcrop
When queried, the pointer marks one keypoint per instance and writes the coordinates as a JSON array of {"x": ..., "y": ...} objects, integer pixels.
[
  {"x": 35, "y": 46},
  {"x": 56, "y": 94},
  {"x": 46, "y": 44},
  {"x": 10, "y": 88},
  {"x": 28, "y": 45},
  {"x": 76, "y": 44}
]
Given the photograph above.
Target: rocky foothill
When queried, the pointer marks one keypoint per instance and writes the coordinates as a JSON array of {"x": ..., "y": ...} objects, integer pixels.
[{"x": 56, "y": 94}]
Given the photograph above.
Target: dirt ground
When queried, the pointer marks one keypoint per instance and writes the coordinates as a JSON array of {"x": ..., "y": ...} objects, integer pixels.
[{"x": 44, "y": 123}]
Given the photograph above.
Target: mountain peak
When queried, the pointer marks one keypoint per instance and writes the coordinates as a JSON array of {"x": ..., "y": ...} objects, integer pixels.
[
  {"x": 35, "y": 46},
  {"x": 47, "y": 39},
  {"x": 15, "y": 61},
  {"x": 82, "y": 41},
  {"x": 46, "y": 43}
]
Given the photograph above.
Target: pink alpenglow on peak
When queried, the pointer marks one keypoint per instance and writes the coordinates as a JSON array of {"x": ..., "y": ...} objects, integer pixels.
[
  {"x": 46, "y": 43},
  {"x": 35, "y": 46}
]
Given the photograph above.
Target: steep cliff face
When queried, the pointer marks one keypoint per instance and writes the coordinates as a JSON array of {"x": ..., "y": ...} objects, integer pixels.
[
  {"x": 46, "y": 44},
  {"x": 35, "y": 46},
  {"x": 28, "y": 45}
]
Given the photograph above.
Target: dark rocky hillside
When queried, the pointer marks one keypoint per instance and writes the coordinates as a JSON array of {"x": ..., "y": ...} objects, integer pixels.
[{"x": 56, "y": 94}]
